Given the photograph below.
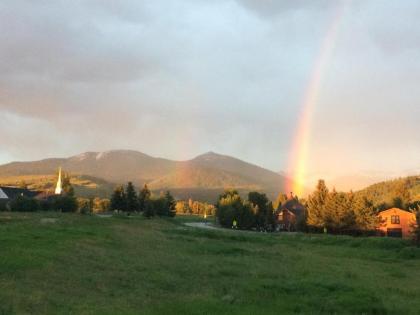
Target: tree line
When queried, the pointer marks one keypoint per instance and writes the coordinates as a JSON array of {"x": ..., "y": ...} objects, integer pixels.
[
  {"x": 324, "y": 211},
  {"x": 195, "y": 208},
  {"x": 66, "y": 202},
  {"x": 125, "y": 198},
  {"x": 255, "y": 212},
  {"x": 340, "y": 212}
]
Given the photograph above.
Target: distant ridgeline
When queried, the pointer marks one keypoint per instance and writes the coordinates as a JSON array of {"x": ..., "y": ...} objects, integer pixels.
[
  {"x": 97, "y": 173},
  {"x": 384, "y": 194}
]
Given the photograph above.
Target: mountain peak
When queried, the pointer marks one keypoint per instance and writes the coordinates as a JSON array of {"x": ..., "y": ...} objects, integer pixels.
[{"x": 208, "y": 156}]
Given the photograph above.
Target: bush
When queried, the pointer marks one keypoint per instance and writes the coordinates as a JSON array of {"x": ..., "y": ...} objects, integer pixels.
[
  {"x": 84, "y": 205},
  {"x": 3, "y": 205},
  {"x": 164, "y": 206},
  {"x": 24, "y": 204},
  {"x": 63, "y": 203},
  {"x": 225, "y": 215},
  {"x": 231, "y": 208}
]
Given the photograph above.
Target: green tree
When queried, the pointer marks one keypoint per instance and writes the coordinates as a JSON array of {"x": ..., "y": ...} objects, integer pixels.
[
  {"x": 64, "y": 203},
  {"x": 264, "y": 216},
  {"x": 118, "y": 201},
  {"x": 144, "y": 197},
  {"x": 338, "y": 212},
  {"x": 149, "y": 208},
  {"x": 131, "y": 200},
  {"x": 316, "y": 205},
  {"x": 160, "y": 206},
  {"x": 230, "y": 207},
  {"x": 170, "y": 204},
  {"x": 365, "y": 214}
]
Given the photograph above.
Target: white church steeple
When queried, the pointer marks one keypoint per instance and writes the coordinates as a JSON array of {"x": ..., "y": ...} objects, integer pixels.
[{"x": 58, "y": 188}]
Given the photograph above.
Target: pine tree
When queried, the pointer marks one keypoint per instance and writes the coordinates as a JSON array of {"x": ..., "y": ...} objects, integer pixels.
[
  {"x": 170, "y": 204},
  {"x": 132, "y": 202},
  {"x": 149, "y": 208},
  {"x": 118, "y": 201},
  {"x": 365, "y": 214},
  {"x": 316, "y": 205},
  {"x": 144, "y": 197},
  {"x": 339, "y": 215}
]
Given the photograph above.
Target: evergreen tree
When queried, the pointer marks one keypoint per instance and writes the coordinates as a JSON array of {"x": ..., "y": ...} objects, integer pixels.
[
  {"x": 365, "y": 214},
  {"x": 118, "y": 200},
  {"x": 159, "y": 206},
  {"x": 316, "y": 205},
  {"x": 338, "y": 212},
  {"x": 132, "y": 202},
  {"x": 144, "y": 197},
  {"x": 170, "y": 204},
  {"x": 149, "y": 208}
]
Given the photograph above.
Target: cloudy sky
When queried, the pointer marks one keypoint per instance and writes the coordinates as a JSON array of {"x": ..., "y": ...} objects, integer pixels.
[{"x": 179, "y": 78}]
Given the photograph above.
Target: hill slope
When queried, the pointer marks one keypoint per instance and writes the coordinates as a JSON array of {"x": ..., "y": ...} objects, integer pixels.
[
  {"x": 385, "y": 192},
  {"x": 209, "y": 171}
]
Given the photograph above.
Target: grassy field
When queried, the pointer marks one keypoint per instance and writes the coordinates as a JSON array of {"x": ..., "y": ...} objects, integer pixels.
[{"x": 91, "y": 265}]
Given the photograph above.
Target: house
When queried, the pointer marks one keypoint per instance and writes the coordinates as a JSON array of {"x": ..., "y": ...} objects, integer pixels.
[
  {"x": 286, "y": 220},
  {"x": 289, "y": 213},
  {"x": 396, "y": 223},
  {"x": 7, "y": 194}
]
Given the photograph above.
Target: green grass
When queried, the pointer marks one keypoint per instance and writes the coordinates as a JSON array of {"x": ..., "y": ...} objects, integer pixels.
[{"x": 92, "y": 265}]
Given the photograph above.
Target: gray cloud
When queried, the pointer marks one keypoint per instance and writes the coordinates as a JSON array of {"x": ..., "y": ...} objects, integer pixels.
[
  {"x": 176, "y": 78},
  {"x": 270, "y": 8}
]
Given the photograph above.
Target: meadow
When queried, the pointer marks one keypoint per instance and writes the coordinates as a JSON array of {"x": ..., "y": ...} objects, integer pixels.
[{"x": 52, "y": 263}]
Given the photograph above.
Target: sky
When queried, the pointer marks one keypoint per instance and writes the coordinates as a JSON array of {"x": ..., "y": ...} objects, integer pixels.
[{"x": 175, "y": 79}]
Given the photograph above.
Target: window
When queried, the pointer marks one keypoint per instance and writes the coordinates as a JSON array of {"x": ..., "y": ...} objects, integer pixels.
[{"x": 395, "y": 219}]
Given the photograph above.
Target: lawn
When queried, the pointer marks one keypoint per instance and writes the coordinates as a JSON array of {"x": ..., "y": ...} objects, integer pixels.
[{"x": 90, "y": 265}]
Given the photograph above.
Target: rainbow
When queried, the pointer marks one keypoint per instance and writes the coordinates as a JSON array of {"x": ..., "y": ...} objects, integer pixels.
[{"x": 298, "y": 159}]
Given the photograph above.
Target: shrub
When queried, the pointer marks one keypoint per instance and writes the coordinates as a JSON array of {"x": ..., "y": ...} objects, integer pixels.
[
  {"x": 84, "y": 205},
  {"x": 230, "y": 207},
  {"x": 64, "y": 203},
  {"x": 3, "y": 205},
  {"x": 24, "y": 204}
]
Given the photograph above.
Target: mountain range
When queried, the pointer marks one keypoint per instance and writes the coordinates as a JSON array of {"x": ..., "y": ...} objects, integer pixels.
[{"x": 201, "y": 178}]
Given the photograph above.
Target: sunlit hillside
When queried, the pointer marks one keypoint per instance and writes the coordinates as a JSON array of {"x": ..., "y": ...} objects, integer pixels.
[
  {"x": 385, "y": 192},
  {"x": 84, "y": 186}
]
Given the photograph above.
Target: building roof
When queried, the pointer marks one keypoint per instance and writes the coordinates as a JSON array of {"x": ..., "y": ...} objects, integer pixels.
[
  {"x": 293, "y": 205},
  {"x": 394, "y": 210},
  {"x": 13, "y": 192},
  {"x": 3, "y": 194}
]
